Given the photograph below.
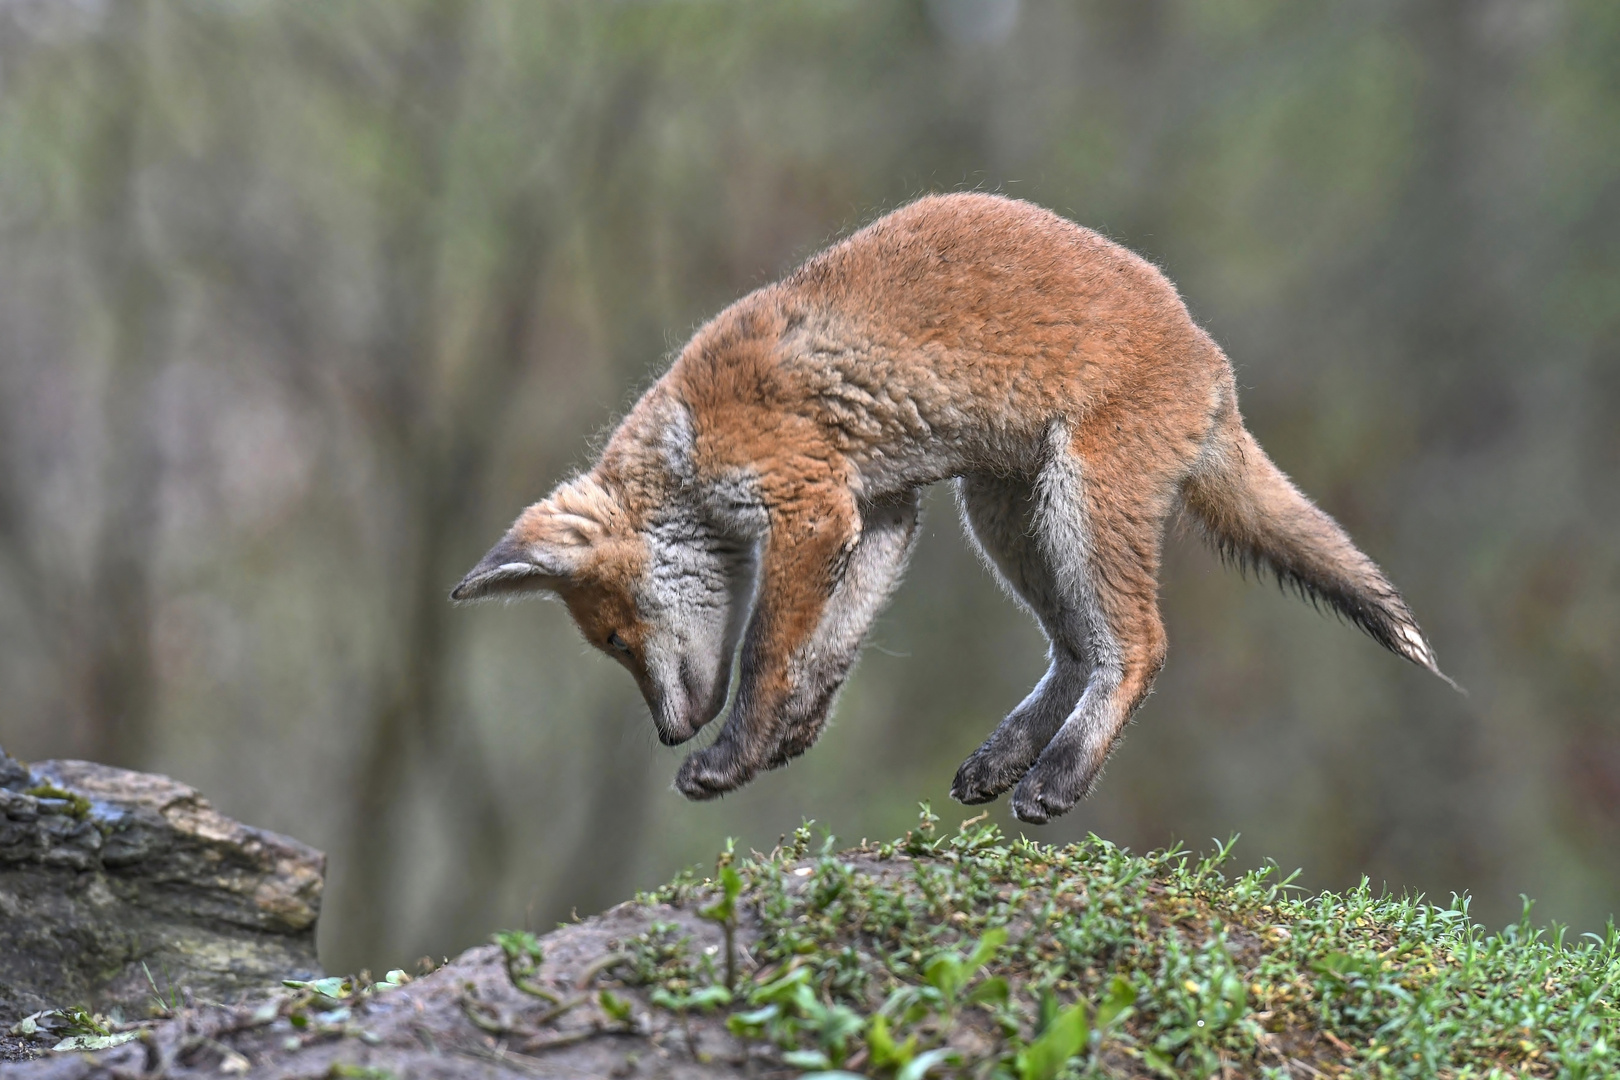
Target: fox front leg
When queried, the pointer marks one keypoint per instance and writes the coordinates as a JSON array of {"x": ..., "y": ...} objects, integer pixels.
[
  {"x": 806, "y": 552},
  {"x": 873, "y": 569}
]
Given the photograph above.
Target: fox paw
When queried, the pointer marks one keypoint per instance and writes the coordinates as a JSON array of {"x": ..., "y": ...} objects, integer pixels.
[
  {"x": 1050, "y": 789},
  {"x": 710, "y": 773},
  {"x": 984, "y": 776}
]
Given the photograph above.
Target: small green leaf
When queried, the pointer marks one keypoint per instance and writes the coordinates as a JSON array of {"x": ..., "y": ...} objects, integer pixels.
[
  {"x": 1159, "y": 1063},
  {"x": 724, "y": 909},
  {"x": 921, "y": 840},
  {"x": 782, "y": 989},
  {"x": 1048, "y": 1010},
  {"x": 886, "y": 1054},
  {"x": 750, "y": 1023},
  {"x": 944, "y": 973},
  {"x": 835, "y": 1027},
  {"x": 759, "y": 1016},
  {"x": 1044, "y": 1058},
  {"x": 805, "y": 1002},
  {"x": 992, "y": 940},
  {"x": 919, "y": 1066},
  {"x": 1121, "y": 996},
  {"x": 709, "y": 997},
  {"x": 516, "y": 943},
  {"x": 616, "y": 1007},
  {"x": 918, "y": 1010},
  {"x": 993, "y": 990},
  {"x": 1335, "y": 963},
  {"x": 806, "y": 1059}
]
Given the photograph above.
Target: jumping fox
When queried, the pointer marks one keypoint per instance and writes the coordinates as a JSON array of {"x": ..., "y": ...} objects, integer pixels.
[{"x": 764, "y": 491}]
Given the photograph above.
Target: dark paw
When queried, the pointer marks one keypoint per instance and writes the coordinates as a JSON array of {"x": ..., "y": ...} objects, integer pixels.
[
  {"x": 1049, "y": 790},
  {"x": 984, "y": 776},
  {"x": 710, "y": 773},
  {"x": 785, "y": 753},
  {"x": 794, "y": 743}
]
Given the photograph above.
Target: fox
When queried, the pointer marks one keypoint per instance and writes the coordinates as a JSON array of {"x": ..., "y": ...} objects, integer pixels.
[{"x": 759, "y": 502}]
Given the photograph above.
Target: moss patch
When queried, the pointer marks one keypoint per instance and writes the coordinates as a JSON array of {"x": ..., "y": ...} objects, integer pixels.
[{"x": 77, "y": 805}]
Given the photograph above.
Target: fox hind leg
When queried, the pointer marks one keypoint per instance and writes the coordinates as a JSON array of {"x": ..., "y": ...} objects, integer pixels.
[
  {"x": 1003, "y": 516},
  {"x": 1102, "y": 530}
]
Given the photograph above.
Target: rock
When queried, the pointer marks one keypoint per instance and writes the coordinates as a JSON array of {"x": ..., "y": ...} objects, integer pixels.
[
  {"x": 107, "y": 875},
  {"x": 465, "y": 1021}
]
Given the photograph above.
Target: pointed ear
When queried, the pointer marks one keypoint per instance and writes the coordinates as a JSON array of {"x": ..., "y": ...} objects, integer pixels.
[
  {"x": 512, "y": 568},
  {"x": 548, "y": 545}
]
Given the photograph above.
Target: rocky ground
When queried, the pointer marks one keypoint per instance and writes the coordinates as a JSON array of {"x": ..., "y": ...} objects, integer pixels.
[
  {"x": 467, "y": 1019},
  {"x": 966, "y": 954}
]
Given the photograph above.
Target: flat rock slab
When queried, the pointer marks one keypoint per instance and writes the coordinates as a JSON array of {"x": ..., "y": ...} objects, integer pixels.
[
  {"x": 465, "y": 1020},
  {"x": 107, "y": 875}
]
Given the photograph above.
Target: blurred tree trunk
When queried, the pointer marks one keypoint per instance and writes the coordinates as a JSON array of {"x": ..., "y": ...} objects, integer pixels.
[
  {"x": 407, "y": 689},
  {"x": 119, "y": 679},
  {"x": 444, "y": 426},
  {"x": 436, "y": 430}
]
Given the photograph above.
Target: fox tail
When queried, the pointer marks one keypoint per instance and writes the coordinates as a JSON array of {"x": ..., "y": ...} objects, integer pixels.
[{"x": 1256, "y": 517}]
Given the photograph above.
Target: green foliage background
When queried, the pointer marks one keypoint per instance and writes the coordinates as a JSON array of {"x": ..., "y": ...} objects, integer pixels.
[{"x": 301, "y": 303}]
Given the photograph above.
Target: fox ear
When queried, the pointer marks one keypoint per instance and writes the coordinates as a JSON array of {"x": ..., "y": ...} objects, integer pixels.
[
  {"x": 514, "y": 567},
  {"x": 548, "y": 545}
]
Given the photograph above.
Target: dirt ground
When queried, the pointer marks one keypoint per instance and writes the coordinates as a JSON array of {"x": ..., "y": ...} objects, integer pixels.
[{"x": 13, "y": 1048}]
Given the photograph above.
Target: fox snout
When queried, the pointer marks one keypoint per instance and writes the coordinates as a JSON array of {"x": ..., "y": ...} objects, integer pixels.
[
  {"x": 671, "y": 719},
  {"x": 682, "y": 710}
]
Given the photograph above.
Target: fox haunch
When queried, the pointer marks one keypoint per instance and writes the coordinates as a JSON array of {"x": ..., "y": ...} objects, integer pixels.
[{"x": 760, "y": 500}]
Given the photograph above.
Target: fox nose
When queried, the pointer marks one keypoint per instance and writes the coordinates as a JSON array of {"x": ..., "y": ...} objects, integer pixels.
[
  {"x": 702, "y": 702},
  {"x": 673, "y": 731},
  {"x": 669, "y": 718}
]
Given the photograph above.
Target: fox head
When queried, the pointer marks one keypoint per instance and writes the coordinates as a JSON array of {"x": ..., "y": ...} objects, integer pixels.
[{"x": 665, "y": 597}]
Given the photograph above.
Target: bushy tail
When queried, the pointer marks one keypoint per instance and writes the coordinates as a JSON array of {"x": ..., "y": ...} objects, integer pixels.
[{"x": 1257, "y": 518}]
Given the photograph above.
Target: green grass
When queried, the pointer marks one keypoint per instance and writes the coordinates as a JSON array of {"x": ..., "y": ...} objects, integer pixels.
[{"x": 975, "y": 955}]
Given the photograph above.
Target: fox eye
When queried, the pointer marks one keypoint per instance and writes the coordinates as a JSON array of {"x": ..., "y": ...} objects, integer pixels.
[{"x": 618, "y": 642}]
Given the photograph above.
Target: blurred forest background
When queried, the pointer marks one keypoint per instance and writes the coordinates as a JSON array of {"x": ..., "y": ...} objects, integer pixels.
[{"x": 300, "y": 304}]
